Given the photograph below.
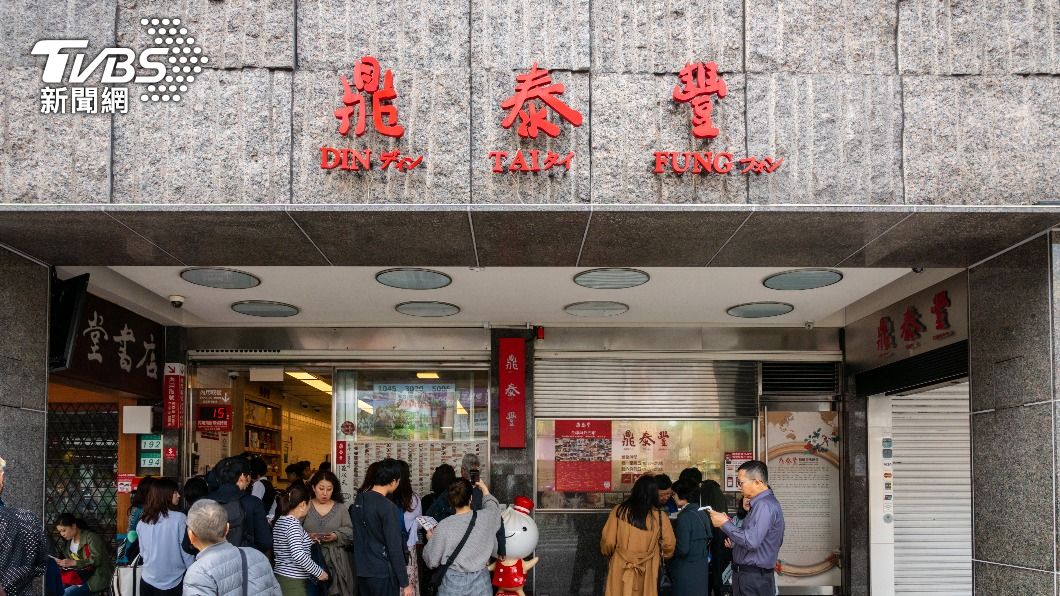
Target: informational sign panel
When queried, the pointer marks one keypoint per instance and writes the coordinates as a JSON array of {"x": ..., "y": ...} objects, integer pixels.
[
  {"x": 511, "y": 390},
  {"x": 173, "y": 396},
  {"x": 220, "y": 396},
  {"x": 803, "y": 459},
  {"x": 422, "y": 456},
  {"x": 150, "y": 442},
  {"x": 213, "y": 418},
  {"x": 733, "y": 461},
  {"x": 583, "y": 455}
]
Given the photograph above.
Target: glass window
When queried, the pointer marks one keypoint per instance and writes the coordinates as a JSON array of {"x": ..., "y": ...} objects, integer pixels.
[{"x": 592, "y": 464}]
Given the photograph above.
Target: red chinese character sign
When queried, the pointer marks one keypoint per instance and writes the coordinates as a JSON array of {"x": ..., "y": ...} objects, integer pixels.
[
  {"x": 532, "y": 105},
  {"x": 173, "y": 396},
  {"x": 699, "y": 84},
  {"x": 511, "y": 392},
  {"x": 371, "y": 86},
  {"x": 583, "y": 455}
]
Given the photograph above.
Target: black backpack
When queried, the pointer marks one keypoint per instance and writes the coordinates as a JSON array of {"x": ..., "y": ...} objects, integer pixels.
[{"x": 237, "y": 534}]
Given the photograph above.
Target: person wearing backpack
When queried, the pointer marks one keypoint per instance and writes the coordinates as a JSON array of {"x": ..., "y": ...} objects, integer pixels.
[
  {"x": 261, "y": 487},
  {"x": 247, "y": 525}
]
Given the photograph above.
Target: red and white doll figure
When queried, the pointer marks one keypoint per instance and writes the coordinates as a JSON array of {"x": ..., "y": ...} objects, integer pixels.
[{"x": 520, "y": 540}]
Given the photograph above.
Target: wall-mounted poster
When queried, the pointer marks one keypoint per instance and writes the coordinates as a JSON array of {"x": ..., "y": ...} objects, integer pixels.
[
  {"x": 804, "y": 475},
  {"x": 583, "y": 455},
  {"x": 733, "y": 461}
]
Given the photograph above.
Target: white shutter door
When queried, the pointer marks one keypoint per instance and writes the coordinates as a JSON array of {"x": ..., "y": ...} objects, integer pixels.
[{"x": 932, "y": 493}]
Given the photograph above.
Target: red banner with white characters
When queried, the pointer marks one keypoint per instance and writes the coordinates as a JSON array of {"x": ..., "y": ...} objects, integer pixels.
[
  {"x": 511, "y": 392},
  {"x": 340, "y": 453},
  {"x": 583, "y": 455},
  {"x": 173, "y": 396}
]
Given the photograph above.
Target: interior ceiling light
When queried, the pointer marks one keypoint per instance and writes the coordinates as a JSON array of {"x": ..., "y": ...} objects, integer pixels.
[
  {"x": 427, "y": 309},
  {"x": 413, "y": 279},
  {"x": 596, "y": 308},
  {"x": 265, "y": 308},
  {"x": 802, "y": 279},
  {"x": 219, "y": 277},
  {"x": 614, "y": 278},
  {"x": 759, "y": 310},
  {"x": 301, "y": 376},
  {"x": 460, "y": 408},
  {"x": 427, "y": 375}
]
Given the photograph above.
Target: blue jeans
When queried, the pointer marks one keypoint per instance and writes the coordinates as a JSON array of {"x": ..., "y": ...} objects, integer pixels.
[
  {"x": 459, "y": 583},
  {"x": 81, "y": 590}
]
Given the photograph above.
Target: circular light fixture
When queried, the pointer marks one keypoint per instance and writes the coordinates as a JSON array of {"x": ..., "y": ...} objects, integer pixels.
[
  {"x": 427, "y": 309},
  {"x": 802, "y": 279},
  {"x": 265, "y": 308},
  {"x": 596, "y": 308},
  {"x": 611, "y": 278},
  {"x": 759, "y": 310},
  {"x": 219, "y": 277},
  {"x": 413, "y": 279}
]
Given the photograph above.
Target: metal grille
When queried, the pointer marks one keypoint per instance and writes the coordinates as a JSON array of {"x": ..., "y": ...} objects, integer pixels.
[
  {"x": 82, "y": 464},
  {"x": 800, "y": 378},
  {"x": 644, "y": 388},
  {"x": 932, "y": 493}
]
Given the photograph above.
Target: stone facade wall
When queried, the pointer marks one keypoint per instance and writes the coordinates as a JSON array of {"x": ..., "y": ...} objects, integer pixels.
[{"x": 868, "y": 102}]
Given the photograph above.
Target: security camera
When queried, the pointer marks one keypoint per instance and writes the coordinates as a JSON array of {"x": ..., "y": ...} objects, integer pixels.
[
  {"x": 305, "y": 405},
  {"x": 233, "y": 374},
  {"x": 176, "y": 300},
  {"x": 808, "y": 325},
  {"x": 918, "y": 269},
  {"x": 316, "y": 408}
]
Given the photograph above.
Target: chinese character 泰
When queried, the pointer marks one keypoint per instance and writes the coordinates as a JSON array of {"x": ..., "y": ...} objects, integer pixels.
[
  {"x": 149, "y": 357},
  {"x": 646, "y": 440},
  {"x": 123, "y": 351},
  {"x": 911, "y": 324},
  {"x": 627, "y": 438},
  {"x": 366, "y": 80},
  {"x": 531, "y": 90},
  {"x": 511, "y": 390},
  {"x": 664, "y": 436},
  {"x": 885, "y": 334},
  {"x": 94, "y": 332},
  {"x": 700, "y": 81},
  {"x": 511, "y": 363},
  {"x": 939, "y": 307}
]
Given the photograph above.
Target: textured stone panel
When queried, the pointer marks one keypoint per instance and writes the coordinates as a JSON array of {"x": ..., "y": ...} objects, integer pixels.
[
  {"x": 432, "y": 107},
  {"x": 232, "y": 33},
  {"x": 839, "y": 136},
  {"x": 636, "y": 116},
  {"x": 404, "y": 35},
  {"x": 49, "y": 158},
  {"x": 88, "y": 237},
  {"x": 22, "y": 444},
  {"x": 227, "y": 141},
  {"x": 661, "y": 37},
  {"x": 998, "y": 37},
  {"x": 511, "y": 34},
  {"x": 1009, "y": 355},
  {"x": 569, "y": 547},
  {"x": 25, "y": 22},
  {"x": 981, "y": 140},
  {"x": 24, "y": 319},
  {"x": 1000, "y": 438},
  {"x": 821, "y": 36},
  {"x": 999, "y": 580},
  {"x": 553, "y": 186}
]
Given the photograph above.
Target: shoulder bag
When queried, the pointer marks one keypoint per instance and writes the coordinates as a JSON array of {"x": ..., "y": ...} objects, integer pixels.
[
  {"x": 126, "y": 578},
  {"x": 438, "y": 575},
  {"x": 666, "y": 586}
]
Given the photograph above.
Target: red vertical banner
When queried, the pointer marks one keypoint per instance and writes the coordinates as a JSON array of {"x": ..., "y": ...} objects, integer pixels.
[
  {"x": 340, "y": 453},
  {"x": 173, "y": 396},
  {"x": 511, "y": 392}
]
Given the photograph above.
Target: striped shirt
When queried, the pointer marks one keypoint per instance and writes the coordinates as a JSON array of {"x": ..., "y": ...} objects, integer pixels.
[{"x": 291, "y": 546}]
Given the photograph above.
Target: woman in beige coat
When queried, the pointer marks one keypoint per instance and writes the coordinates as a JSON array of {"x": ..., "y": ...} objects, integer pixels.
[{"x": 631, "y": 539}]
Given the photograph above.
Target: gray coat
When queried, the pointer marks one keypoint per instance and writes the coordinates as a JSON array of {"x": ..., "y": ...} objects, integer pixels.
[{"x": 218, "y": 571}]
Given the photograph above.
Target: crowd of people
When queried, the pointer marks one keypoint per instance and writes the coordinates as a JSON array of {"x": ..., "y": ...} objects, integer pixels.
[{"x": 230, "y": 533}]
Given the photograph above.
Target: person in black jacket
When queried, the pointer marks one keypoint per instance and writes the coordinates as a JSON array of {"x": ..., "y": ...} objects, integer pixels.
[
  {"x": 378, "y": 547},
  {"x": 246, "y": 515}
]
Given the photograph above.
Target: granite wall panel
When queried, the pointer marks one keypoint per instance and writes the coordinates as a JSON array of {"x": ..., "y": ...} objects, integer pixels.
[
  {"x": 25, "y": 22},
  {"x": 22, "y": 445},
  {"x": 1000, "y": 580},
  {"x": 513, "y": 35}
]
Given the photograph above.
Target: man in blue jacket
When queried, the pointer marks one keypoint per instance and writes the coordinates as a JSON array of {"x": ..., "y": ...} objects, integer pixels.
[{"x": 246, "y": 514}]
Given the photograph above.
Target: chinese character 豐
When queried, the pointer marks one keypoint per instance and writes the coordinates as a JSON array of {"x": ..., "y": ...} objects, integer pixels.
[
  {"x": 149, "y": 357},
  {"x": 511, "y": 419},
  {"x": 700, "y": 81},
  {"x": 911, "y": 324},
  {"x": 511, "y": 390},
  {"x": 366, "y": 80},
  {"x": 627, "y": 438},
  {"x": 95, "y": 331},
  {"x": 534, "y": 94},
  {"x": 885, "y": 335},
  {"x": 53, "y": 100},
  {"x": 511, "y": 363},
  {"x": 940, "y": 308},
  {"x": 664, "y": 436},
  {"x": 646, "y": 439}
]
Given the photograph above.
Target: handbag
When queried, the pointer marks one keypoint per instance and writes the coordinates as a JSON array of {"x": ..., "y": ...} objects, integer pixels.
[
  {"x": 666, "y": 585},
  {"x": 316, "y": 552},
  {"x": 126, "y": 578},
  {"x": 438, "y": 575}
]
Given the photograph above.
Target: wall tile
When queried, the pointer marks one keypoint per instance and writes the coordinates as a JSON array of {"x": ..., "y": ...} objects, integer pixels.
[
  {"x": 25, "y": 22},
  {"x": 512, "y": 35},
  {"x": 22, "y": 444},
  {"x": 999, "y": 580}
]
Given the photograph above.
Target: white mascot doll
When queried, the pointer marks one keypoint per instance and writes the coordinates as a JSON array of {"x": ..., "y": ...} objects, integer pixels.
[{"x": 520, "y": 540}]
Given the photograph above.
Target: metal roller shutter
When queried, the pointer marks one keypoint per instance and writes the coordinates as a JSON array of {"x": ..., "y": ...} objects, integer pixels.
[
  {"x": 644, "y": 388},
  {"x": 932, "y": 492}
]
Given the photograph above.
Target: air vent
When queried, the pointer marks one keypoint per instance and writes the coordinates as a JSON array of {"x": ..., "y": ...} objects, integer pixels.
[{"x": 800, "y": 378}]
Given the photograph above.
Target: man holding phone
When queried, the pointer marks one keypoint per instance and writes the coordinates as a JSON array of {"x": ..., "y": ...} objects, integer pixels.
[{"x": 470, "y": 469}]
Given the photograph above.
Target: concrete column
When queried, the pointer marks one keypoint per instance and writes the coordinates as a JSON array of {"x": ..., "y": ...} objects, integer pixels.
[
  {"x": 855, "y": 493},
  {"x": 23, "y": 378},
  {"x": 1013, "y": 400}
]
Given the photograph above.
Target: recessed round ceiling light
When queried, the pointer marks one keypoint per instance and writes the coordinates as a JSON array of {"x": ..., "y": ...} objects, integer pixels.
[
  {"x": 413, "y": 279},
  {"x": 596, "y": 308},
  {"x": 427, "y": 309},
  {"x": 265, "y": 308},
  {"x": 802, "y": 279},
  {"x": 219, "y": 277},
  {"x": 611, "y": 278},
  {"x": 758, "y": 310}
]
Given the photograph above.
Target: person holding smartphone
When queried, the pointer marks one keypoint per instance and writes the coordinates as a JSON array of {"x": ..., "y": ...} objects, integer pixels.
[{"x": 470, "y": 470}]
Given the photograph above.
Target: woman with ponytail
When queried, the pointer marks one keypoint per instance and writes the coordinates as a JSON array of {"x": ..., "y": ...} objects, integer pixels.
[{"x": 295, "y": 570}]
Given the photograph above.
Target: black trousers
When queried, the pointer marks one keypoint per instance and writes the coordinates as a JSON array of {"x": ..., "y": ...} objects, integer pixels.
[
  {"x": 147, "y": 589},
  {"x": 378, "y": 586},
  {"x": 752, "y": 583}
]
